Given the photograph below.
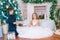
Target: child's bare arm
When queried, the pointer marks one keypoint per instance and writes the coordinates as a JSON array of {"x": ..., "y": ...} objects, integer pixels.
[
  {"x": 18, "y": 22},
  {"x": 30, "y": 23}
]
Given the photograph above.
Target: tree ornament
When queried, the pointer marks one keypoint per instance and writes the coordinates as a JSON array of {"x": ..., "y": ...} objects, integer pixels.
[
  {"x": 16, "y": 12},
  {"x": 13, "y": 1},
  {"x": 15, "y": 8},
  {"x": 1, "y": 3},
  {"x": 41, "y": 0},
  {"x": 4, "y": 21},
  {"x": 7, "y": 6}
]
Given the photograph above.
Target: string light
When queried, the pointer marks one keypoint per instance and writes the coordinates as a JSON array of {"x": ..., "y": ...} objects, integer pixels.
[
  {"x": 15, "y": 8},
  {"x": 7, "y": 6},
  {"x": 13, "y": 1}
]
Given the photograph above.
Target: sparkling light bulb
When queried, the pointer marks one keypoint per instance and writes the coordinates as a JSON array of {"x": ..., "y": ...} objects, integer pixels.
[
  {"x": 16, "y": 12},
  {"x": 15, "y": 8},
  {"x": 7, "y": 6},
  {"x": 1, "y": 3},
  {"x": 4, "y": 21},
  {"x": 13, "y": 1}
]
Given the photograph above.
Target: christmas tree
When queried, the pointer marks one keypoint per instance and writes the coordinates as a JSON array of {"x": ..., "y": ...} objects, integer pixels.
[{"x": 4, "y": 5}]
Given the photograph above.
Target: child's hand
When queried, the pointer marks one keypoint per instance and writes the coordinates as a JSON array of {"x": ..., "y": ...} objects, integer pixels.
[
  {"x": 14, "y": 22},
  {"x": 18, "y": 22}
]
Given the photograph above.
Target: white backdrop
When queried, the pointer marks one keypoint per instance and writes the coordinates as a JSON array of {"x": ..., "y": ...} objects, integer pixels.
[{"x": 30, "y": 10}]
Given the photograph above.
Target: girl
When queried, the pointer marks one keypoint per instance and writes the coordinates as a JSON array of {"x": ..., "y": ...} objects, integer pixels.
[{"x": 35, "y": 21}]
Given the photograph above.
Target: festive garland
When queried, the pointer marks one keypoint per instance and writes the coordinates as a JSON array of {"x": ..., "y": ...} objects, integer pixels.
[
  {"x": 52, "y": 9},
  {"x": 57, "y": 14}
]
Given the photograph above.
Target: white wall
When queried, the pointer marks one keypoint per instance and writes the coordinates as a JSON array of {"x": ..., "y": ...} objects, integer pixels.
[
  {"x": 28, "y": 13},
  {"x": 30, "y": 10},
  {"x": 58, "y": 2},
  {"x": 23, "y": 8}
]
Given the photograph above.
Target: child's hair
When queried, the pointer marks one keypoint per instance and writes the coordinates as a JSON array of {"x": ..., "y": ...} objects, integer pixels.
[
  {"x": 36, "y": 16},
  {"x": 10, "y": 9}
]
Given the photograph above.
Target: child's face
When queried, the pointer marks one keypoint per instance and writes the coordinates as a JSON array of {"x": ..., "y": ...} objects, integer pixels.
[
  {"x": 34, "y": 16},
  {"x": 11, "y": 12}
]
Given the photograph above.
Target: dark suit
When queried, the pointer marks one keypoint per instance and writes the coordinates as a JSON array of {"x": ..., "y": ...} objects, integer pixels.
[{"x": 12, "y": 27}]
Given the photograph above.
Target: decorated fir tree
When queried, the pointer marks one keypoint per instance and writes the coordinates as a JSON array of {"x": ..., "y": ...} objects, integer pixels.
[{"x": 4, "y": 5}]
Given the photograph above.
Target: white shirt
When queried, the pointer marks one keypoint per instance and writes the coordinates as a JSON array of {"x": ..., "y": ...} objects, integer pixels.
[{"x": 35, "y": 22}]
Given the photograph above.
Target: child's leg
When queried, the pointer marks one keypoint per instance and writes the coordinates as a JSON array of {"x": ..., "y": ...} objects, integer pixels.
[
  {"x": 13, "y": 30},
  {"x": 5, "y": 37},
  {"x": 16, "y": 33}
]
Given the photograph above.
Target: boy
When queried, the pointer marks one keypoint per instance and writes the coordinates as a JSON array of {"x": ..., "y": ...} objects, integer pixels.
[{"x": 12, "y": 22}]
